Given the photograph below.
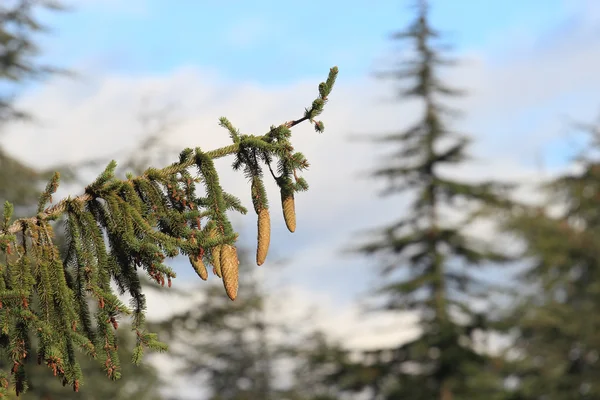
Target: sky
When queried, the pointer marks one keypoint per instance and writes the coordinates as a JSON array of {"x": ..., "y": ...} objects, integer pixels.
[
  {"x": 529, "y": 67},
  {"x": 272, "y": 43}
]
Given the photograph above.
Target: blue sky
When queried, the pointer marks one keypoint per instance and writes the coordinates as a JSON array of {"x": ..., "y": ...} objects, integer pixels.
[{"x": 274, "y": 42}]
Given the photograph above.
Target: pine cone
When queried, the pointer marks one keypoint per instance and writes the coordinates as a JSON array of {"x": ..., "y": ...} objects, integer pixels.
[
  {"x": 289, "y": 211},
  {"x": 264, "y": 236},
  {"x": 199, "y": 267},
  {"x": 230, "y": 268},
  {"x": 216, "y": 256}
]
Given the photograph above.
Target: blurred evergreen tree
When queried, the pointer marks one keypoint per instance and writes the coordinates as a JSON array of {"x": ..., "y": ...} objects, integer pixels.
[
  {"x": 557, "y": 321},
  {"x": 431, "y": 265},
  {"x": 19, "y": 50},
  {"x": 19, "y": 54},
  {"x": 228, "y": 349},
  {"x": 326, "y": 370},
  {"x": 237, "y": 351}
]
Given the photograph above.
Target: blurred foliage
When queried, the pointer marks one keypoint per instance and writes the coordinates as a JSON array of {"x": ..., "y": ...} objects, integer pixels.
[
  {"x": 557, "y": 323},
  {"x": 19, "y": 51},
  {"x": 238, "y": 351},
  {"x": 226, "y": 348},
  {"x": 20, "y": 184}
]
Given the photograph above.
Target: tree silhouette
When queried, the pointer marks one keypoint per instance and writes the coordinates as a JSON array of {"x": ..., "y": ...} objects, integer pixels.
[{"x": 428, "y": 263}]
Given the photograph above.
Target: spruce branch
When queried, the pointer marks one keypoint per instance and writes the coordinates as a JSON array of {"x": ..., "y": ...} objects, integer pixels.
[{"x": 118, "y": 226}]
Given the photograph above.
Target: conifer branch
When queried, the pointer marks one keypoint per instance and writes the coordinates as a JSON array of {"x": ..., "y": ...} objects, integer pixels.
[{"x": 119, "y": 225}]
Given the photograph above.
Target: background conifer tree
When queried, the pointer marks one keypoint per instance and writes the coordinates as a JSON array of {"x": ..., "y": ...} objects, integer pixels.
[
  {"x": 557, "y": 321},
  {"x": 428, "y": 262},
  {"x": 237, "y": 352},
  {"x": 19, "y": 50},
  {"x": 19, "y": 65},
  {"x": 228, "y": 349},
  {"x": 326, "y": 370}
]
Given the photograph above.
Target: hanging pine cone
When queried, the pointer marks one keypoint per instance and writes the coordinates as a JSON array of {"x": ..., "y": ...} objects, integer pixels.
[
  {"x": 199, "y": 267},
  {"x": 264, "y": 236},
  {"x": 230, "y": 268},
  {"x": 289, "y": 210},
  {"x": 197, "y": 262},
  {"x": 215, "y": 253},
  {"x": 216, "y": 259}
]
